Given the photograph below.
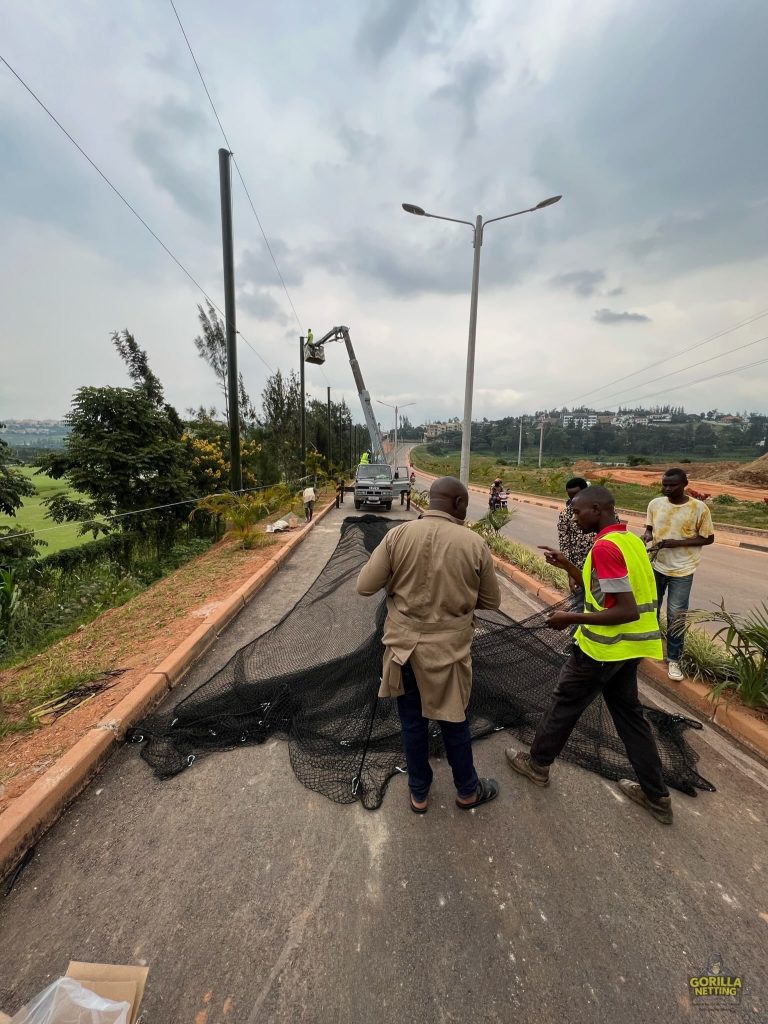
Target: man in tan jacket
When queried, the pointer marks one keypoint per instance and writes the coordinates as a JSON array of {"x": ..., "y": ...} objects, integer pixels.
[{"x": 436, "y": 573}]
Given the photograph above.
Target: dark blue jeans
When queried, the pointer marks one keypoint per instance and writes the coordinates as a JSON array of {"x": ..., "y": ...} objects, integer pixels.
[
  {"x": 678, "y": 591},
  {"x": 415, "y": 730}
]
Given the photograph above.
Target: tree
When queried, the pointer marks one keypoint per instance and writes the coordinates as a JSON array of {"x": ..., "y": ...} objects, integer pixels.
[
  {"x": 281, "y": 403},
  {"x": 14, "y": 486},
  {"x": 211, "y": 346},
  {"x": 126, "y": 453}
]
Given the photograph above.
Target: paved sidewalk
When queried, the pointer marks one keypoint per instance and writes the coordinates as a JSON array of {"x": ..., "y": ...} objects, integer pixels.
[{"x": 253, "y": 899}]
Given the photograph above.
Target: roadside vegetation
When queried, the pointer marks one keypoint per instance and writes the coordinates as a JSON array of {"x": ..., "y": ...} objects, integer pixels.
[
  {"x": 550, "y": 483},
  {"x": 137, "y": 491}
]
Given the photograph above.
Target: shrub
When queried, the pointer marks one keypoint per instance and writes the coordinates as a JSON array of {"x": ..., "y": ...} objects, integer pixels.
[{"x": 724, "y": 499}]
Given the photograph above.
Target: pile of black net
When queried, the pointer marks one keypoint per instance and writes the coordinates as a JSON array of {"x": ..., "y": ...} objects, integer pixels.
[{"x": 313, "y": 679}]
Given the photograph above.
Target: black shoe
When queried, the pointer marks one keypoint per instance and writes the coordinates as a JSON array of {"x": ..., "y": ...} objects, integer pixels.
[{"x": 525, "y": 765}]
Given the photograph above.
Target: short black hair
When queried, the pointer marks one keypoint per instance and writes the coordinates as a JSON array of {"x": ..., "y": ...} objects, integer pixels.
[
  {"x": 676, "y": 471},
  {"x": 577, "y": 481}
]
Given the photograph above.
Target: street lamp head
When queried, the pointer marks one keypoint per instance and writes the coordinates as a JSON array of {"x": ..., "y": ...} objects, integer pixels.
[
  {"x": 547, "y": 202},
  {"x": 410, "y": 208}
]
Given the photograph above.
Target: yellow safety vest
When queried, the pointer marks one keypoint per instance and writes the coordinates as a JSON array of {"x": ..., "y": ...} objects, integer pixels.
[
  {"x": 364, "y": 459},
  {"x": 639, "y": 639}
]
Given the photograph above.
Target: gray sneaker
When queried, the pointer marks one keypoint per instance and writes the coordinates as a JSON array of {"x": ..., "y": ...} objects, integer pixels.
[
  {"x": 525, "y": 765},
  {"x": 675, "y": 672},
  {"x": 661, "y": 809}
]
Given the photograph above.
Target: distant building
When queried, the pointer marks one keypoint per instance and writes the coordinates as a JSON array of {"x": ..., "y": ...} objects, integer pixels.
[
  {"x": 580, "y": 420},
  {"x": 433, "y": 430}
]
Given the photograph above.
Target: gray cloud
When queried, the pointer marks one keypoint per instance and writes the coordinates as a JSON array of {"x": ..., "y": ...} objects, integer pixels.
[
  {"x": 615, "y": 291},
  {"x": 582, "y": 282},
  {"x": 608, "y": 316},
  {"x": 167, "y": 141},
  {"x": 469, "y": 81},
  {"x": 383, "y": 26}
]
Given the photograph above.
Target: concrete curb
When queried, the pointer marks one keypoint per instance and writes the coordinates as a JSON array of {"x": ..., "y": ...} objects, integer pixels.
[
  {"x": 31, "y": 815},
  {"x": 733, "y": 720},
  {"x": 731, "y": 536}
]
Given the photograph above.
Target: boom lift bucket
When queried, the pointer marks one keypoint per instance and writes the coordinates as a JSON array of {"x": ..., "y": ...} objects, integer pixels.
[{"x": 314, "y": 354}]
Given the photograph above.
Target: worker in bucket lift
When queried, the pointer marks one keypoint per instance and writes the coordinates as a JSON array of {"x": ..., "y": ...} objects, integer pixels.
[
  {"x": 310, "y": 337},
  {"x": 364, "y": 459}
]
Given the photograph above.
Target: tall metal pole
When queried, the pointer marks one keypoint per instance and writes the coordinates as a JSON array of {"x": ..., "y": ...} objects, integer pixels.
[
  {"x": 351, "y": 442},
  {"x": 394, "y": 458},
  {"x": 466, "y": 440},
  {"x": 225, "y": 184},
  {"x": 520, "y": 443},
  {"x": 330, "y": 442},
  {"x": 303, "y": 434},
  {"x": 541, "y": 441}
]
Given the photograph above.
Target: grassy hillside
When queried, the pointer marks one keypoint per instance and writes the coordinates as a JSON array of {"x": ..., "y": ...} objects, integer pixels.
[{"x": 32, "y": 515}]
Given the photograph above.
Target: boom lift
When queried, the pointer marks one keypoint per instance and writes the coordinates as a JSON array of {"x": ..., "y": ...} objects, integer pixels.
[{"x": 315, "y": 353}]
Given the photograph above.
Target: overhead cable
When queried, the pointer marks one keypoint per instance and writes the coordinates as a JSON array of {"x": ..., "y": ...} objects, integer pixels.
[{"x": 125, "y": 201}]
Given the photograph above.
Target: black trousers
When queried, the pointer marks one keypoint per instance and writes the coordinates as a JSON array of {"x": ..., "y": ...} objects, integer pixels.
[{"x": 581, "y": 680}]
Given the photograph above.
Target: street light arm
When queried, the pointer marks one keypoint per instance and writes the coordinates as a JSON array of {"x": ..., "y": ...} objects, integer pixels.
[
  {"x": 532, "y": 209},
  {"x": 508, "y": 215},
  {"x": 453, "y": 220}
]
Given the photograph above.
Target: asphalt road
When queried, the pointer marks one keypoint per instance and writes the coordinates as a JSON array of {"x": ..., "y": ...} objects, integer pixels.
[
  {"x": 252, "y": 899},
  {"x": 734, "y": 574}
]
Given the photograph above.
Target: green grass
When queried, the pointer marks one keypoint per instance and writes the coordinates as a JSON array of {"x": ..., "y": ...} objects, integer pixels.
[
  {"x": 550, "y": 483},
  {"x": 32, "y": 515}
]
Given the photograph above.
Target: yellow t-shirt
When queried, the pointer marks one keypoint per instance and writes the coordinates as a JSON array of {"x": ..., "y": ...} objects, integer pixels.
[{"x": 674, "y": 522}]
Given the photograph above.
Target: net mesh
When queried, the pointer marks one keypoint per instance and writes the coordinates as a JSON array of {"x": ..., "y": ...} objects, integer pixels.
[{"x": 313, "y": 679}]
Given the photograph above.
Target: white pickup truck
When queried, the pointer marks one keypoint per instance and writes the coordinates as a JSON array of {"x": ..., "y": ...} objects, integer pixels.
[{"x": 373, "y": 485}]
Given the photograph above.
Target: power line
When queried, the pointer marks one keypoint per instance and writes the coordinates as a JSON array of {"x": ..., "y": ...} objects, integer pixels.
[
  {"x": 141, "y": 511},
  {"x": 701, "y": 380},
  {"x": 237, "y": 166},
  {"x": 619, "y": 395},
  {"x": 666, "y": 359},
  {"x": 122, "y": 198}
]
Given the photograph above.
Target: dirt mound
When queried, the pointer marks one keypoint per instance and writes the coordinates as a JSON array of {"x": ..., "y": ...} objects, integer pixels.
[{"x": 755, "y": 473}]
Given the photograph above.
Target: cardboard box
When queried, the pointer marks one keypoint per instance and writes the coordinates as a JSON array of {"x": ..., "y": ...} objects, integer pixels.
[{"x": 122, "y": 982}]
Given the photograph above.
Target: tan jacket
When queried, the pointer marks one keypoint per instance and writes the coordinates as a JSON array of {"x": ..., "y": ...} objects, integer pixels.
[{"x": 436, "y": 573}]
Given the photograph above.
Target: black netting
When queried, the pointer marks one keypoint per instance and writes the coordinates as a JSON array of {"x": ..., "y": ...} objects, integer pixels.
[{"x": 313, "y": 679}]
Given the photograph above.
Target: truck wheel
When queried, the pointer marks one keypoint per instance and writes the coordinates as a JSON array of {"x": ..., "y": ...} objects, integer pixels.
[{"x": 358, "y": 504}]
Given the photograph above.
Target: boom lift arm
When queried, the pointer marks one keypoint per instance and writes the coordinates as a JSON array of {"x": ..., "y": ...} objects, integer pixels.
[{"x": 312, "y": 355}]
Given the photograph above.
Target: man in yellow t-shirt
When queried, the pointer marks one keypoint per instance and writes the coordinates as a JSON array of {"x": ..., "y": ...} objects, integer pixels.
[{"x": 677, "y": 527}]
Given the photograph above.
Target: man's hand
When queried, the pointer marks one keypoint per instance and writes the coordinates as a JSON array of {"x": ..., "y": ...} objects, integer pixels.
[
  {"x": 559, "y": 620},
  {"x": 555, "y": 557},
  {"x": 647, "y": 535}
]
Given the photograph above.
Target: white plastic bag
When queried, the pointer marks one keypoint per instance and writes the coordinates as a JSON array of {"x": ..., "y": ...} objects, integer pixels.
[{"x": 66, "y": 1001}]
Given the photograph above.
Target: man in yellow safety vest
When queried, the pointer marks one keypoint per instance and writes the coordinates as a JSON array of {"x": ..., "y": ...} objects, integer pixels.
[{"x": 618, "y": 626}]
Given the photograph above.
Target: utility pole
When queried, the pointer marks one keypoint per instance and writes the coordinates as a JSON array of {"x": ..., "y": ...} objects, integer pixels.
[
  {"x": 351, "y": 442},
  {"x": 466, "y": 437},
  {"x": 225, "y": 184},
  {"x": 330, "y": 442},
  {"x": 303, "y": 436},
  {"x": 520, "y": 443},
  {"x": 541, "y": 441}
]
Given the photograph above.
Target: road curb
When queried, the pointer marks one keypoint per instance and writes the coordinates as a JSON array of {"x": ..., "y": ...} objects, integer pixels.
[
  {"x": 731, "y": 719},
  {"x": 30, "y": 815}
]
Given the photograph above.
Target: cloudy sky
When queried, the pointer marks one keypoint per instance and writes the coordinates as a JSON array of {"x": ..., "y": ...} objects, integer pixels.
[{"x": 649, "y": 118}]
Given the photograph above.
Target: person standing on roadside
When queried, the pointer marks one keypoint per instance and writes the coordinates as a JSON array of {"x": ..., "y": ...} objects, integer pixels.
[
  {"x": 617, "y": 628},
  {"x": 436, "y": 574},
  {"x": 677, "y": 527},
  {"x": 573, "y": 542},
  {"x": 309, "y": 498}
]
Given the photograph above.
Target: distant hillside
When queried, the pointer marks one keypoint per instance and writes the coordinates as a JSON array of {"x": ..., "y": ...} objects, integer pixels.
[{"x": 33, "y": 433}]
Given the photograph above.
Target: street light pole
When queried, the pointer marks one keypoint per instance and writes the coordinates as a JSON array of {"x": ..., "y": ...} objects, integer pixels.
[
  {"x": 541, "y": 441},
  {"x": 478, "y": 228},
  {"x": 520, "y": 443},
  {"x": 466, "y": 436},
  {"x": 396, "y": 408}
]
